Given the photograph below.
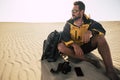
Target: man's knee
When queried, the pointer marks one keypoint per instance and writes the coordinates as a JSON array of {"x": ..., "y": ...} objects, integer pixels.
[
  {"x": 98, "y": 40},
  {"x": 101, "y": 40}
]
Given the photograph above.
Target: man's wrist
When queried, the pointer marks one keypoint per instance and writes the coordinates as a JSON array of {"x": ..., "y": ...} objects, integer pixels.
[{"x": 74, "y": 45}]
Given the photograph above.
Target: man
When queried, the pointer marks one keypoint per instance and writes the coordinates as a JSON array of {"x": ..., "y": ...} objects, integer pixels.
[{"x": 82, "y": 35}]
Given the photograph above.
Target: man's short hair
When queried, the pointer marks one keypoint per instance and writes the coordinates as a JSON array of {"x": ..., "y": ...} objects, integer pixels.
[{"x": 80, "y": 4}]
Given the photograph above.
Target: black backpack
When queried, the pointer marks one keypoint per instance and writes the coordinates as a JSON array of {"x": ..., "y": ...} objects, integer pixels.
[{"x": 50, "y": 51}]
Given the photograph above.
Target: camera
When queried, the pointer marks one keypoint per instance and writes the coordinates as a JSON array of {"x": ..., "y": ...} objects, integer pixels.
[{"x": 62, "y": 67}]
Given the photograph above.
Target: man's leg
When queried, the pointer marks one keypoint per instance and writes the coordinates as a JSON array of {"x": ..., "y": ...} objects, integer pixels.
[
  {"x": 69, "y": 52},
  {"x": 104, "y": 51}
]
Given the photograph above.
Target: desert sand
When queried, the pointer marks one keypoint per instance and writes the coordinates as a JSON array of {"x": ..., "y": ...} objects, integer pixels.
[{"x": 21, "y": 48}]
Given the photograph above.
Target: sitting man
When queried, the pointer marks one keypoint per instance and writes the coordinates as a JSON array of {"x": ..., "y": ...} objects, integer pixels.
[{"x": 82, "y": 35}]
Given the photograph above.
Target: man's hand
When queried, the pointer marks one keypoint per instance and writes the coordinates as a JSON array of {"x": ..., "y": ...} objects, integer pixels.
[
  {"x": 78, "y": 50},
  {"x": 86, "y": 36}
]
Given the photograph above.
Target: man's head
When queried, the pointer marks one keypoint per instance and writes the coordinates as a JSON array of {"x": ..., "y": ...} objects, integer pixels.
[{"x": 78, "y": 10}]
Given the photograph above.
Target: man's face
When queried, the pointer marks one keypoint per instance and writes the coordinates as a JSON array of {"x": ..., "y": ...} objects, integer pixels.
[{"x": 76, "y": 12}]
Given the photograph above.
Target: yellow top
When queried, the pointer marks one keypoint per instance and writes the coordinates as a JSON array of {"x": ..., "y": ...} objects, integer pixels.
[{"x": 76, "y": 34}]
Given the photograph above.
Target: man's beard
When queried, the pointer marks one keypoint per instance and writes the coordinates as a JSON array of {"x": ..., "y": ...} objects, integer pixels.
[{"x": 76, "y": 18}]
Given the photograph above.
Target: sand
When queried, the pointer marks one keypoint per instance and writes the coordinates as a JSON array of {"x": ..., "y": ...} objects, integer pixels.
[{"x": 21, "y": 47}]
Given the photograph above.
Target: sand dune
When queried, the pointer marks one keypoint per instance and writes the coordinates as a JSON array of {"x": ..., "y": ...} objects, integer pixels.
[{"x": 21, "y": 47}]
